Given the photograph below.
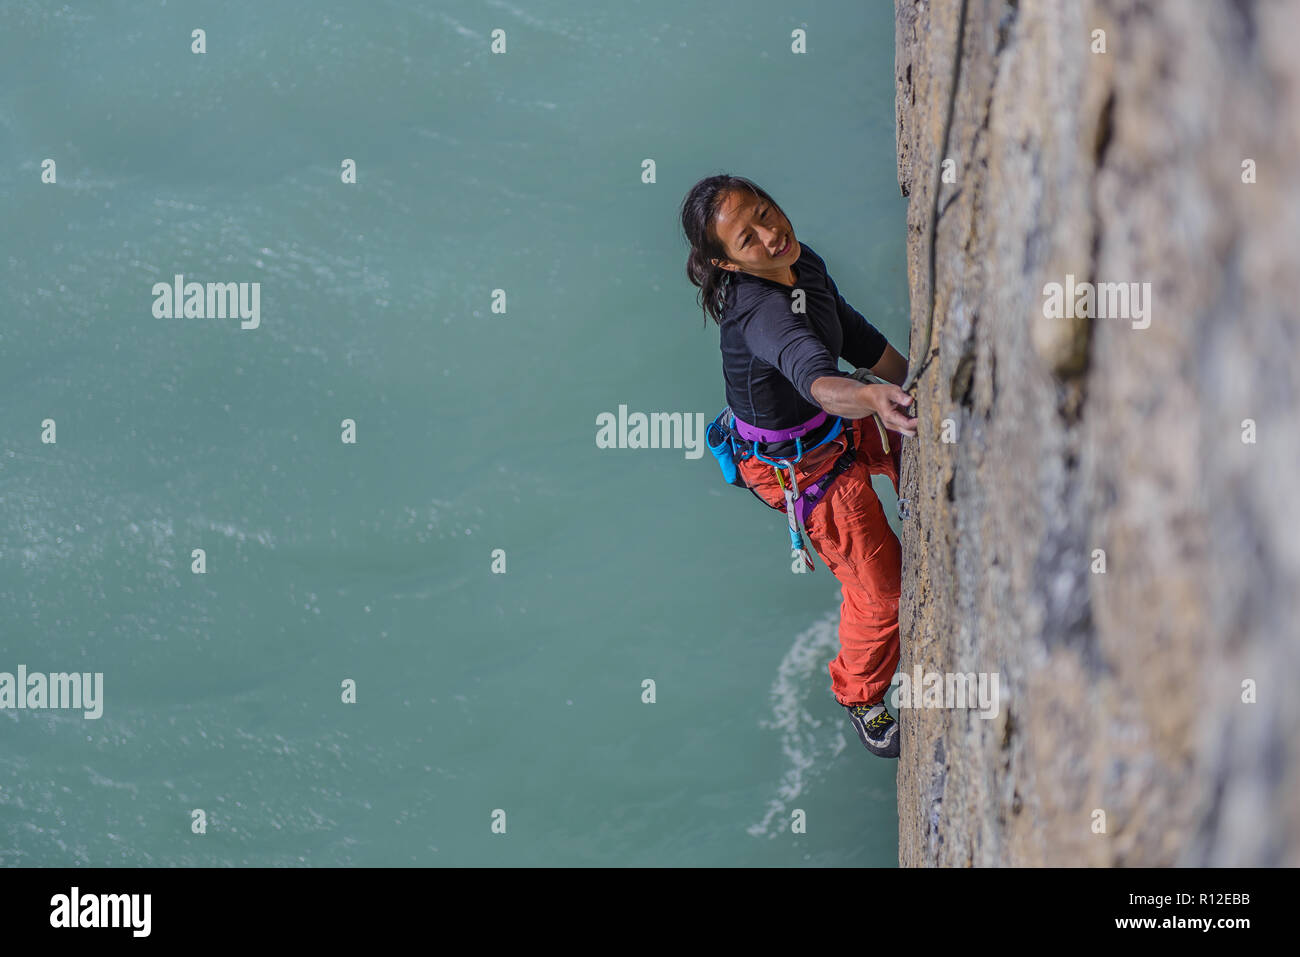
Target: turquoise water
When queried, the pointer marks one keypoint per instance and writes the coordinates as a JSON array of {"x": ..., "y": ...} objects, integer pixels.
[{"x": 475, "y": 431}]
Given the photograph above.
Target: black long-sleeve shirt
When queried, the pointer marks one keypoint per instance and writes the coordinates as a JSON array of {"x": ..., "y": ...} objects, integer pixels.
[{"x": 771, "y": 355}]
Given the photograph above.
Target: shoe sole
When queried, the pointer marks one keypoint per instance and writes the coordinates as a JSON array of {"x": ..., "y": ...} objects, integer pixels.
[{"x": 887, "y": 751}]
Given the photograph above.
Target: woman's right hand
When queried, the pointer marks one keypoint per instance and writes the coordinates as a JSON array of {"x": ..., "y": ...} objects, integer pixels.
[
  {"x": 840, "y": 395},
  {"x": 888, "y": 401}
]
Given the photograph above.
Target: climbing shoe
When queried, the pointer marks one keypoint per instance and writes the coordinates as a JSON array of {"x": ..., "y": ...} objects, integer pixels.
[{"x": 876, "y": 727}]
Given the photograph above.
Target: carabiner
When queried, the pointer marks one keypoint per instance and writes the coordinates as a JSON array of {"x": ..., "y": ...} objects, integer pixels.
[{"x": 784, "y": 463}]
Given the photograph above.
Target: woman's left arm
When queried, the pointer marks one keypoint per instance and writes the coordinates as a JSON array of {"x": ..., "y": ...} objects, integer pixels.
[
  {"x": 862, "y": 339},
  {"x": 892, "y": 366}
]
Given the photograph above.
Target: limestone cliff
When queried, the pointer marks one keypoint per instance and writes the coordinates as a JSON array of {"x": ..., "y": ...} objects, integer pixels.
[{"x": 1169, "y": 451}]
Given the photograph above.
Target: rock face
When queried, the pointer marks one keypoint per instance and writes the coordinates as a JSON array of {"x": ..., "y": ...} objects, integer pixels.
[{"x": 1166, "y": 446}]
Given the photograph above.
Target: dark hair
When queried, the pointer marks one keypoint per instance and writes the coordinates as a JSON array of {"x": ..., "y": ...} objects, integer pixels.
[{"x": 699, "y": 217}]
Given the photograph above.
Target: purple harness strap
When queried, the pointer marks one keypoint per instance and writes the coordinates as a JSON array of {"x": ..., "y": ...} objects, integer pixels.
[{"x": 753, "y": 433}]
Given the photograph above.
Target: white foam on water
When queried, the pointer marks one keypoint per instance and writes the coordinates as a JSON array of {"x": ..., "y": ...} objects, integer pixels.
[
  {"x": 262, "y": 537},
  {"x": 549, "y": 26},
  {"x": 806, "y": 741}
]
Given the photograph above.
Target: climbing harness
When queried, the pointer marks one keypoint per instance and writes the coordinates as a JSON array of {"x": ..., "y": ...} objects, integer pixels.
[{"x": 732, "y": 440}]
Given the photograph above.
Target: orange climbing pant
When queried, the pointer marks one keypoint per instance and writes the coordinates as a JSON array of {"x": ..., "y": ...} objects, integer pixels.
[{"x": 848, "y": 529}]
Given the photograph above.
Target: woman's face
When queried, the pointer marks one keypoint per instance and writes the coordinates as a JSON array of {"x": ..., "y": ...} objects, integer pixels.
[{"x": 757, "y": 237}]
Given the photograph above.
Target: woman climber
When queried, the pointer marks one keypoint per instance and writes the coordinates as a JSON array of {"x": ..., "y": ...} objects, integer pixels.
[{"x": 802, "y": 435}]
